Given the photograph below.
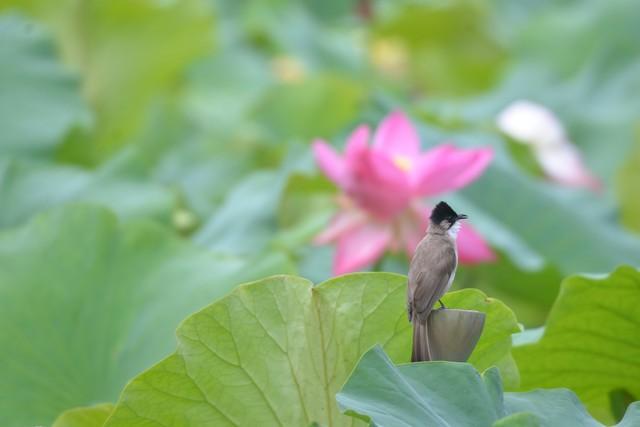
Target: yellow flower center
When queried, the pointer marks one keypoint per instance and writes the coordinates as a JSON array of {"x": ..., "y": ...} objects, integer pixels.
[{"x": 403, "y": 163}]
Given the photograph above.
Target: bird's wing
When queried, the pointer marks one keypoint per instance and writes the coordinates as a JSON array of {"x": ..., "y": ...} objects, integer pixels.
[{"x": 428, "y": 278}]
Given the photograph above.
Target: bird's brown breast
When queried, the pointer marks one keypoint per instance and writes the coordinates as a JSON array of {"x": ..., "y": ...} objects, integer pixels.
[{"x": 430, "y": 273}]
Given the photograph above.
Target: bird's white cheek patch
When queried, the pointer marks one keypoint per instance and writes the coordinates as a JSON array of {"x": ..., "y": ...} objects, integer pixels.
[{"x": 453, "y": 231}]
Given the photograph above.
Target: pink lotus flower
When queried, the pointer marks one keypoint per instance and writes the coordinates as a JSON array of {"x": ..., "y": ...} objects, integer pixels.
[{"x": 383, "y": 189}]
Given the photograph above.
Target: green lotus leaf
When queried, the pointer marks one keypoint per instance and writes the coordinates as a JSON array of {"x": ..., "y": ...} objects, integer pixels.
[
  {"x": 39, "y": 98},
  {"x": 129, "y": 55},
  {"x": 628, "y": 179},
  {"x": 90, "y": 416},
  {"x": 455, "y": 394},
  {"x": 87, "y": 303},
  {"x": 298, "y": 110},
  {"x": 451, "y": 49},
  {"x": 591, "y": 343},
  {"x": 27, "y": 188},
  {"x": 275, "y": 352}
]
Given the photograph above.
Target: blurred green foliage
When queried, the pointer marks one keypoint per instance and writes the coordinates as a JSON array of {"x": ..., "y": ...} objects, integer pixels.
[
  {"x": 197, "y": 115},
  {"x": 34, "y": 84},
  {"x": 627, "y": 188}
]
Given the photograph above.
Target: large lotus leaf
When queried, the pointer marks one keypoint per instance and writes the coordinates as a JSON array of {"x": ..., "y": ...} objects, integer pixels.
[
  {"x": 87, "y": 303},
  {"x": 39, "y": 98},
  {"x": 275, "y": 352},
  {"x": 27, "y": 188},
  {"x": 90, "y": 416},
  {"x": 454, "y": 394},
  {"x": 591, "y": 342}
]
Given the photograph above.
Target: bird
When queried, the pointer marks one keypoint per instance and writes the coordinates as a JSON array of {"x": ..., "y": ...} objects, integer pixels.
[{"x": 431, "y": 273}]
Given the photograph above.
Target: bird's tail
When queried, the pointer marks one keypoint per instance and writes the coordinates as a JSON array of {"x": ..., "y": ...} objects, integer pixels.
[{"x": 420, "y": 351}]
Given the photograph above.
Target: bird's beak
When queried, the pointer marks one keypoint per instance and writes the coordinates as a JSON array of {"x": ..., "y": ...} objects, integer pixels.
[{"x": 462, "y": 216}]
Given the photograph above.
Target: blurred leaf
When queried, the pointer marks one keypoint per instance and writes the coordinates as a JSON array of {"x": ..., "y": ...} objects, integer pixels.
[
  {"x": 246, "y": 220},
  {"x": 169, "y": 153},
  {"x": 591, "y": 342},
  {"x": 606, "y": 66},
  {"x": 522, "y": 154},
  {"x": 534, "y": 222},
  {"x": 155, "y": 40},
  {"x": 528, "y": 293},
  {"x": 317, "y": 106},
  {"x": 306, "y": 206},
  {"x": 453, "y": 394},
  {"x": 28, "y": 188},
  {"x": 305, "y": 196},
  {"x": 87, "y": 303},
  {"x": 39, "y": 98},
  {"x": 223, "y": 88},
  {"x": 599, "y": 70},
  {"x": 332, "y": 9},
  {"x": 628, "y": 189},
  {"x": 591, "y": 22},
  {"x": 450, "y": 45},
  {"x": 130, "y": 54},
  {"x": 277, "y": 350},
  {"x": 90, "y": 416},
  {"x": 315, "y": 262}
]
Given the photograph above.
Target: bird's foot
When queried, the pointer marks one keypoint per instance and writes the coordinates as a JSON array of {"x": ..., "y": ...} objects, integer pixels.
[{"x": 441, "y": 304}]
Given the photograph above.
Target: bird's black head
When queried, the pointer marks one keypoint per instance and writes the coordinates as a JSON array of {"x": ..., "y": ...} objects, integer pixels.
[{"x": 443, "y": 215}]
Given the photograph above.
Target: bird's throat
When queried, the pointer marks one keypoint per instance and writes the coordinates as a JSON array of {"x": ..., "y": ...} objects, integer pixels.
[{"x": 454, "y": 230}]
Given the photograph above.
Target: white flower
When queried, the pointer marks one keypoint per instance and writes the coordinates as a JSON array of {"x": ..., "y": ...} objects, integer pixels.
[
  {"x": 535, "y": 125},
  {"x": 531, "y": 123}
]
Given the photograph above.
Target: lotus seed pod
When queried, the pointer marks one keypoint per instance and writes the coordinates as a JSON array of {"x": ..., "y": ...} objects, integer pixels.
[{"x": 453, "y": 334}]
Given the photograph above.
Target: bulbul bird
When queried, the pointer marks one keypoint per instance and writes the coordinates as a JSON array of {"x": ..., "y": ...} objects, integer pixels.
[{"x": 431, "y": 274}]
